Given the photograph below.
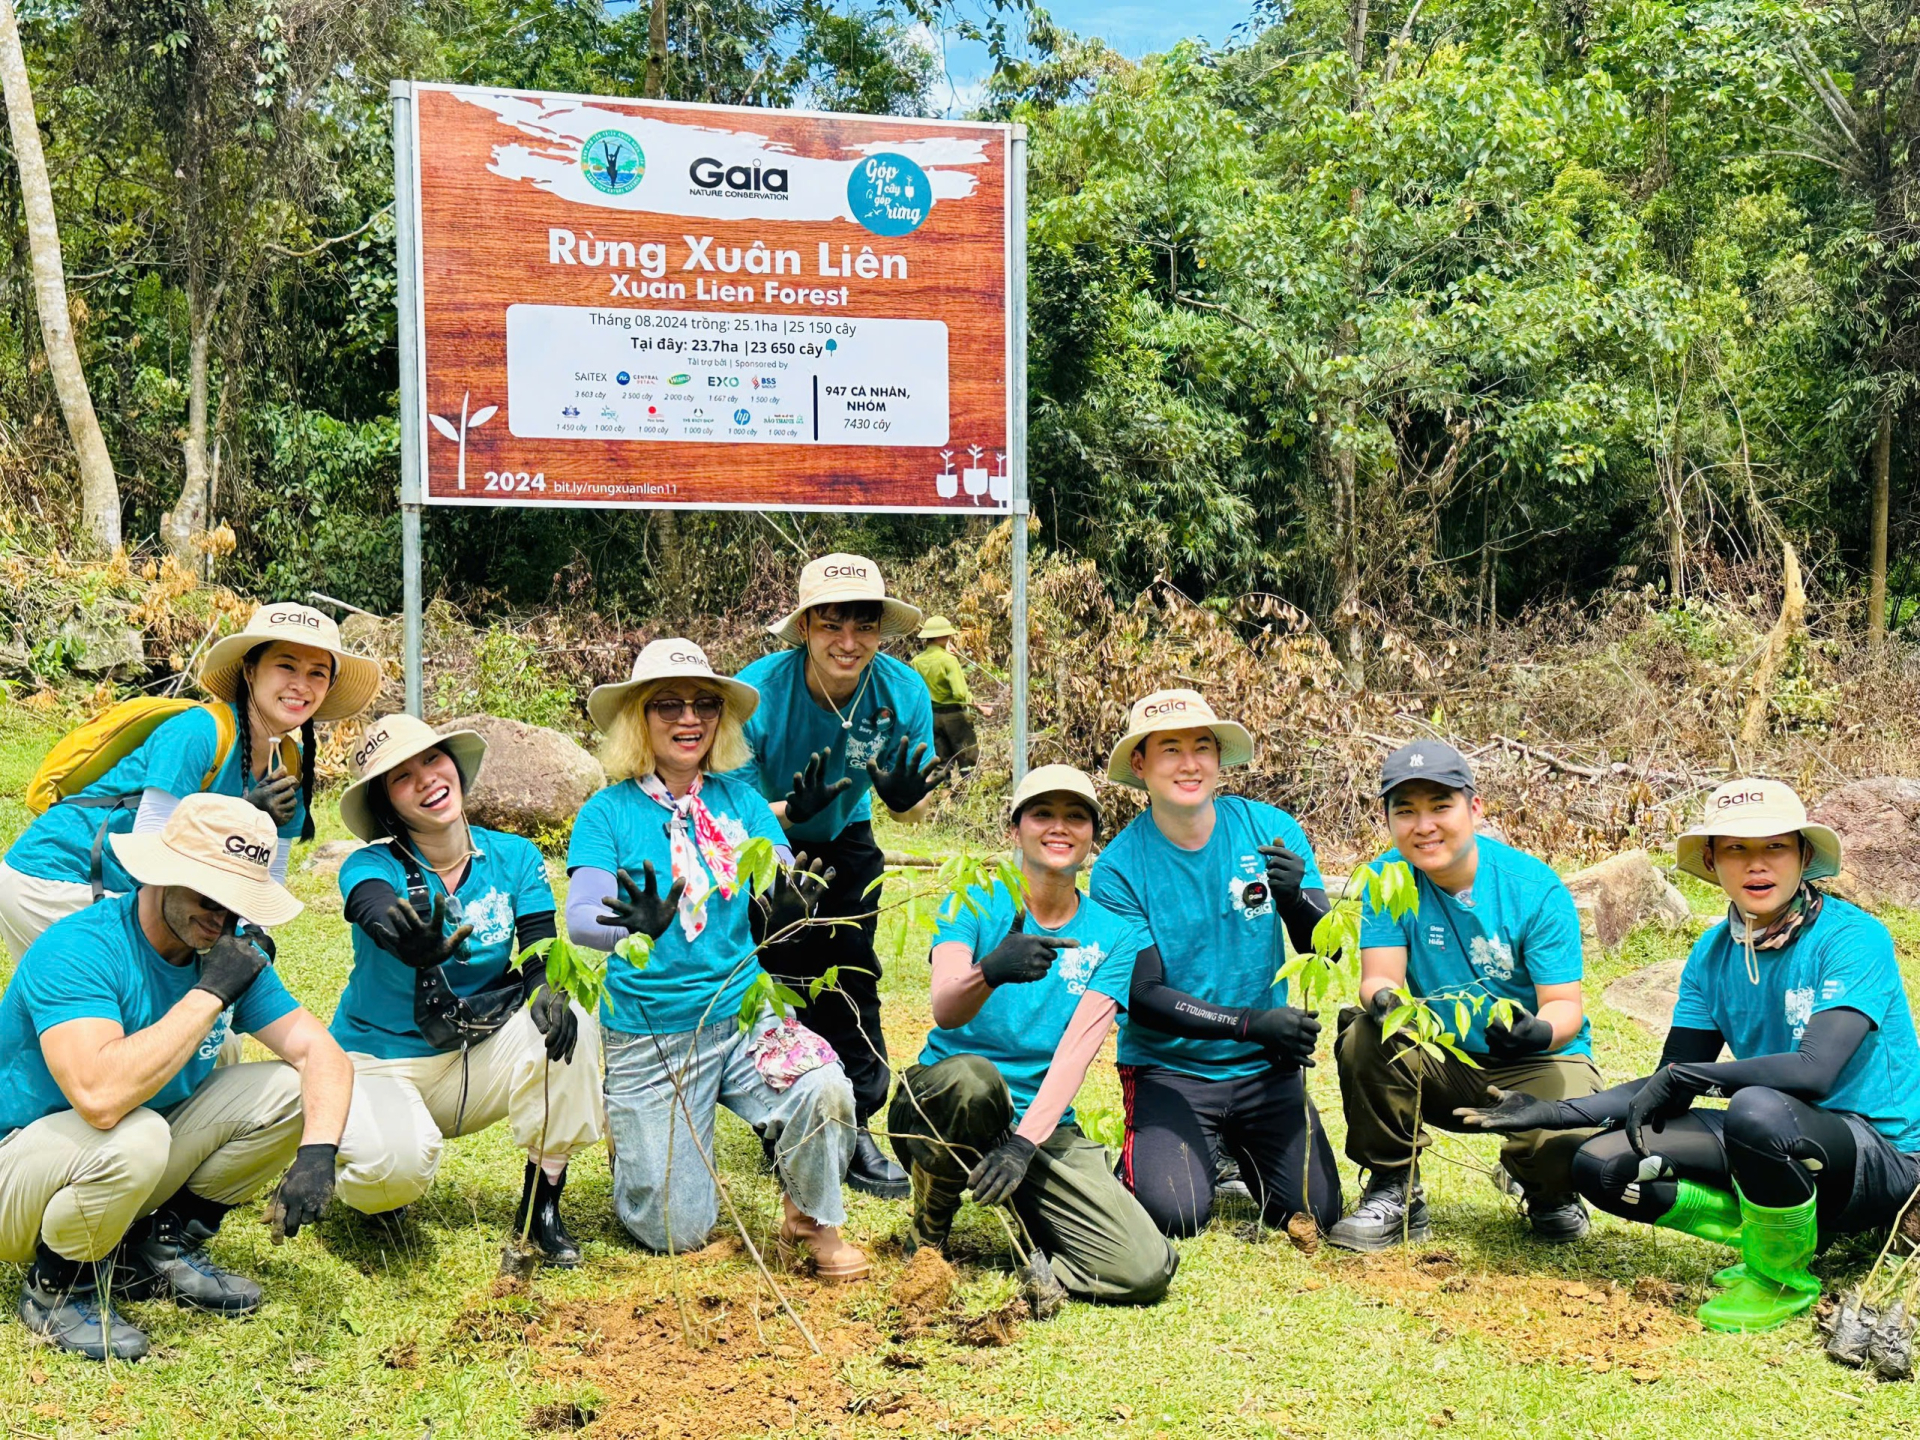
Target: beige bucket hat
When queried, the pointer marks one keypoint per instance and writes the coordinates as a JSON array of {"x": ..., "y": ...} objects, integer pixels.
[
  {"x": 218, "y": 846},
  {"x": 670, "y": 660},
  {"x": 356, "y": 678},
  {"x": 1750, "y": 809},
  {"x": 938, "y": 627},
  {"x": 1054, "y": 780},
  {"x": 390, "y": 740},
  {"x": 838, "y": 579},
  {"x": 1175, "y": 710}
]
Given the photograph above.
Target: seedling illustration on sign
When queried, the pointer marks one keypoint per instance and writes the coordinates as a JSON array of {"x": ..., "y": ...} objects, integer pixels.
[{"x": 606, "y": 270}]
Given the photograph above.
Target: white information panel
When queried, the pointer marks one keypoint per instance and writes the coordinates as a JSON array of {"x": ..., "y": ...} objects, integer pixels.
[{"x": 725, "y": 379}]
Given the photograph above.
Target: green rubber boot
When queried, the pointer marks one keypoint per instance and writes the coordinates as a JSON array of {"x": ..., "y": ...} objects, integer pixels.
[
  {"x": 1704, "y": 1211},
  {"x": 1776, "y": 1245}
]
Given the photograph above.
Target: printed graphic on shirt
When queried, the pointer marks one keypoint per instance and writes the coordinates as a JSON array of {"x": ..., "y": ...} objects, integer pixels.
[
  {"x": 1076, "y": 966},
  {"x": 217, "y": 1037},
  {"x": 1249, "y": 891},
  {"x": 1799, "y": 1006},
  {"x": 868, "y": 739},
  {"x": 1492, "y": 957},
  {"x": 491, "y": 917}
]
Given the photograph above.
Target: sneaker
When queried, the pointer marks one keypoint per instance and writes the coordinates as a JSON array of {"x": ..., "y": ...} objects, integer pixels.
[
  {"x": 1227, "y": 1182},
  {"x": 165, "y": 1257},
  {"x": 1385, "y": 1217},
  {"x": 60, "y": 1303},
  {"x": 871, "y": 1172},
  {"x": 1558, "y": 1219}
]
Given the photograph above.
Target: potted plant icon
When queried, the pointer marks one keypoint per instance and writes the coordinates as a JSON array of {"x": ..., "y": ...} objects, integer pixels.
[
  {"x": 974, "y": 477},
  {"x": 946, "y": 483},
  {"x": 1000, "y": 484},
  {"x": 467, "y": 422}
]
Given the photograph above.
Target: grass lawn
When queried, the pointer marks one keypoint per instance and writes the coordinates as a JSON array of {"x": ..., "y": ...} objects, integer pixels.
[{"x": 395, "y": 1331}]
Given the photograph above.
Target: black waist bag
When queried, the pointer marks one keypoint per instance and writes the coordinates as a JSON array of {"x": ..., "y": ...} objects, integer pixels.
[{"x": 445, "y": 1020}]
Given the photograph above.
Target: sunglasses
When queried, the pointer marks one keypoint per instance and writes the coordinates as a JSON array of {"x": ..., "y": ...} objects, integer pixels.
[{"x": 671, "y": 707}]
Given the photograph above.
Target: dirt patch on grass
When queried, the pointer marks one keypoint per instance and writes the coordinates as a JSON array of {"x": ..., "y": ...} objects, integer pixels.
[
  {"x": 923, "y": 1292},
  {"x": 727, "y": 1363},
  {"x": 1590, "y": 1325}
]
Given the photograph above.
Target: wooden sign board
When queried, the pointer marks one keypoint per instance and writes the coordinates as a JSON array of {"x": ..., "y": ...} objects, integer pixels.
[{"x": 639, "y": 303}]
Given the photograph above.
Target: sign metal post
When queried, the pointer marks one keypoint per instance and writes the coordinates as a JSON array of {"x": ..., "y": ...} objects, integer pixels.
[
  {"x": 1017, "y": 431},
  {"x": 406, "y": 236}
]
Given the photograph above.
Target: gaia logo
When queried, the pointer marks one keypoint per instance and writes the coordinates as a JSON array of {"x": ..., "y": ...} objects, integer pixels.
[
  {"x": 889, "y": 194},
  {"x": 612, "y": 161}
]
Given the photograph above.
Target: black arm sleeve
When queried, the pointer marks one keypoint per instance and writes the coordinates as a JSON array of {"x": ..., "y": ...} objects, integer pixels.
[
  {"x": 1831, "y": 1039},
  {"x": 1609, "y": 1107},
  {"x": 1303, "y": 915},
  {"x": 1157, "y": 1005},
  {"x": 367, "y": 907},
  {"x": 532, "y": 929}
]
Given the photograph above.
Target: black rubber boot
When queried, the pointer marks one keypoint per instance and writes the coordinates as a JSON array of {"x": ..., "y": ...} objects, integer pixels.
[
  {"x": 548, "y": 1234},
  {"x": 872, "y": 1173},
  {"x": 61, "y": 1303},
  {"x": 164, "y": 1257}
]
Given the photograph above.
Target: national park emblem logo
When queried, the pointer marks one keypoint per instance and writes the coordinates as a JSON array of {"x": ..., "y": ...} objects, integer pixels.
[{"x": 612, "y": 161}]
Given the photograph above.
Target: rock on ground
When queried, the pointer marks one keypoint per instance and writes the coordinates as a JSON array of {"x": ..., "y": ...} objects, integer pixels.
[
  {"x": 535, "y": 779},
  {"x": 1618, "y": 894},
  {"x": 1878, "y": 821},
  {"x": 328, "y": 856},
  {"x": 1648, "y": 995}
]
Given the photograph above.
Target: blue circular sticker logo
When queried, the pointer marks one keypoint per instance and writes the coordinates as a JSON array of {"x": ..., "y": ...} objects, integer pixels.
[
  {"x": 889, "y": 194},
  {"x": 741, "y": 417},
  {"x": 612, "y": 161}
]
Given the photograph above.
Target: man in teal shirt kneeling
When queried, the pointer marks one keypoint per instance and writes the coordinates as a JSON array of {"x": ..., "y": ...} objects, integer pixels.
[
  {"x": 1493, "y": 925},
  {"x": 1023, "y": 998}
]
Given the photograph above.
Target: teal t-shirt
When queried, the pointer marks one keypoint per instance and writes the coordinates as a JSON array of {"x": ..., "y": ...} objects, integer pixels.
[
  {"x": 1219, "y": 933},
  {"x": 1515, "y": 929},
  {"x": 506, "y": 881},
  {"x": 1020, "y": 1026},
  {"x": 175, "y": 758},
  {"x": 96, "y": 964},
  {"x": 1844, "y": 960},
  {"x": 790, "y": 726},
  {"x": 687, "y": 983}
]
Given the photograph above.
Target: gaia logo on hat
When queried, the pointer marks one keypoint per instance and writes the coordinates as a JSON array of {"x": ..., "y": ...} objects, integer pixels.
[
  {"x": 299, "y": 616},
  {"x": 856, "y": 572},
  {"x": 1741, "y": 797},
  {"x": 374, "y": 742},
  {"x": 1164, "y": 707},
  {"x": 250, "y": 850},
  {"x": 612, "y": 161}
]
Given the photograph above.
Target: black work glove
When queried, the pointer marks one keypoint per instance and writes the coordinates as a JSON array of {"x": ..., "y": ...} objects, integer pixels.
[
  {"x": 1508, "y": 1112},
  {"x": 275, "y": 794},
  {"x": 232, "y": 963},
  {"x": 909, "y": 781},
  {"x": 811, "y": 793},
  {"x": 305, "y": 1191},
  {"x": 1668, "y": 1094},
  {"x": 642, "y": 909},
  {"x": 996, "y": 1177},
  {"x": 1021, "y": 958},
  {"x": 796, "y": 891},
  {"x": 553, "y": 1017},
  {"x": 1288, "y": 1034},
  {"x": 1386, "y": 1000},
  {"x": 417, "y": 943},
  {"x": 1527, "y": 1035},
  {"x": 1285, "y": 871}
]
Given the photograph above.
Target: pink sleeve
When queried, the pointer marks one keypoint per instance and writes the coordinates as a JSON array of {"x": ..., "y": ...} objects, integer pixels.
[
  {"x": 959, "y": 990},
  {"x": 1092, "y": 1018}
]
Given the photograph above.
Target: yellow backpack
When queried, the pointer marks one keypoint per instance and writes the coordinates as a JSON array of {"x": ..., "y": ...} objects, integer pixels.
[{"x": 84, "y": 755}]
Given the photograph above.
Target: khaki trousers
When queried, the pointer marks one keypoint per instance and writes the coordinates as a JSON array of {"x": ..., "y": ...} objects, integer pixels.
[
  {"x": 28, "y": 905},
  {"x": 403, "y": 1110},
  {"x": 1377, "y": 1092},
  {"x": 78, "y": 1188}
]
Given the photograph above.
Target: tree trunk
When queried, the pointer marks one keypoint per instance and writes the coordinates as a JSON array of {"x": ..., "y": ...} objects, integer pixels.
[
  {"x": 1793, "y": 614},
  {"x": 189, "y": 518},
  {"x": 655, "y": 87},
  {"x": 99, "y": 491},
  {"x": 1877, "y": 559}
]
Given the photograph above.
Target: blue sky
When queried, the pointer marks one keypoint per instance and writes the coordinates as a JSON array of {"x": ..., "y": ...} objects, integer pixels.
[{"x": 1132, "y": 29}]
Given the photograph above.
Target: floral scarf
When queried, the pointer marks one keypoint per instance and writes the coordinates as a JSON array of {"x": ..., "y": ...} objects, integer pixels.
[
  {"x": 1801, "y": 912},
  {"x": 696, "y": 836}
]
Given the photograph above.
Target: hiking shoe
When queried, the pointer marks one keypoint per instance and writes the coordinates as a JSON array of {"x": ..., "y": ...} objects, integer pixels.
[
  {"x": 1228, "y": 1182},
  {"x": 548, "y": 1232},
  {"x": 1558, "y": 1218},
  {"x": 1385, "y": 1217},
  {"x": 165, "y": 1257},
  {"x": 872, "y": 1173},
  {"x": 60, "y": 1302}
]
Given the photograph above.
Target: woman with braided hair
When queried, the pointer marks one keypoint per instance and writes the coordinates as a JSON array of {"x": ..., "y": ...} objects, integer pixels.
[{"x": 282, "y": 674}]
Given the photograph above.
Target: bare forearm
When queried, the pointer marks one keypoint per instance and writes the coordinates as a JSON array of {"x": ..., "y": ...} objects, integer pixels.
[
  {"x": 326, "y": 1090},
  {"x": 129, "y": 1071},
  {"x": 1566, "y": 1017}
]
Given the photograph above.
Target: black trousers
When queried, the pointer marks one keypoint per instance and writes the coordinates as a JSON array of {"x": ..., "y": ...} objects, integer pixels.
[
  {"x": 1178, "y": 1124},
  {"x": 1761, "y": 1142},
  {"x": 846, "y": 1016},
  {"x": 953, "y": 735}
]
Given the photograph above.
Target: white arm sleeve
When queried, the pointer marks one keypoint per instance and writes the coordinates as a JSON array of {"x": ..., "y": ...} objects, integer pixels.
[
  {"x": 282, "y": 852},
  {"x": 155, "y": 807}
]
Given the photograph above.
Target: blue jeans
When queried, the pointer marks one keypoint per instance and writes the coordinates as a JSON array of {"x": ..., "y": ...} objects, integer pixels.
[{"x": 657, "y": 1171}]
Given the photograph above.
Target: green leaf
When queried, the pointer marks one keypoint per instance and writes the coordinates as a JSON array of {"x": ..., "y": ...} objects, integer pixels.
[
  {"x": 826, "y": 980},
  {"x": 1397, "y": 1019},
  {"x": 757, "y": 864},
  {"x": 1462, "y": 1020}
]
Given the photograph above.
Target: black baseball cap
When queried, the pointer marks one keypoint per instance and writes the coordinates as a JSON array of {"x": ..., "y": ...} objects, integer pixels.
[{"x": 1434, "y": 761}]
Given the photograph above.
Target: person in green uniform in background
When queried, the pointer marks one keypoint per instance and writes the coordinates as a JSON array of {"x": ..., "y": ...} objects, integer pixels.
[{"x": 953, "y": 737}]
